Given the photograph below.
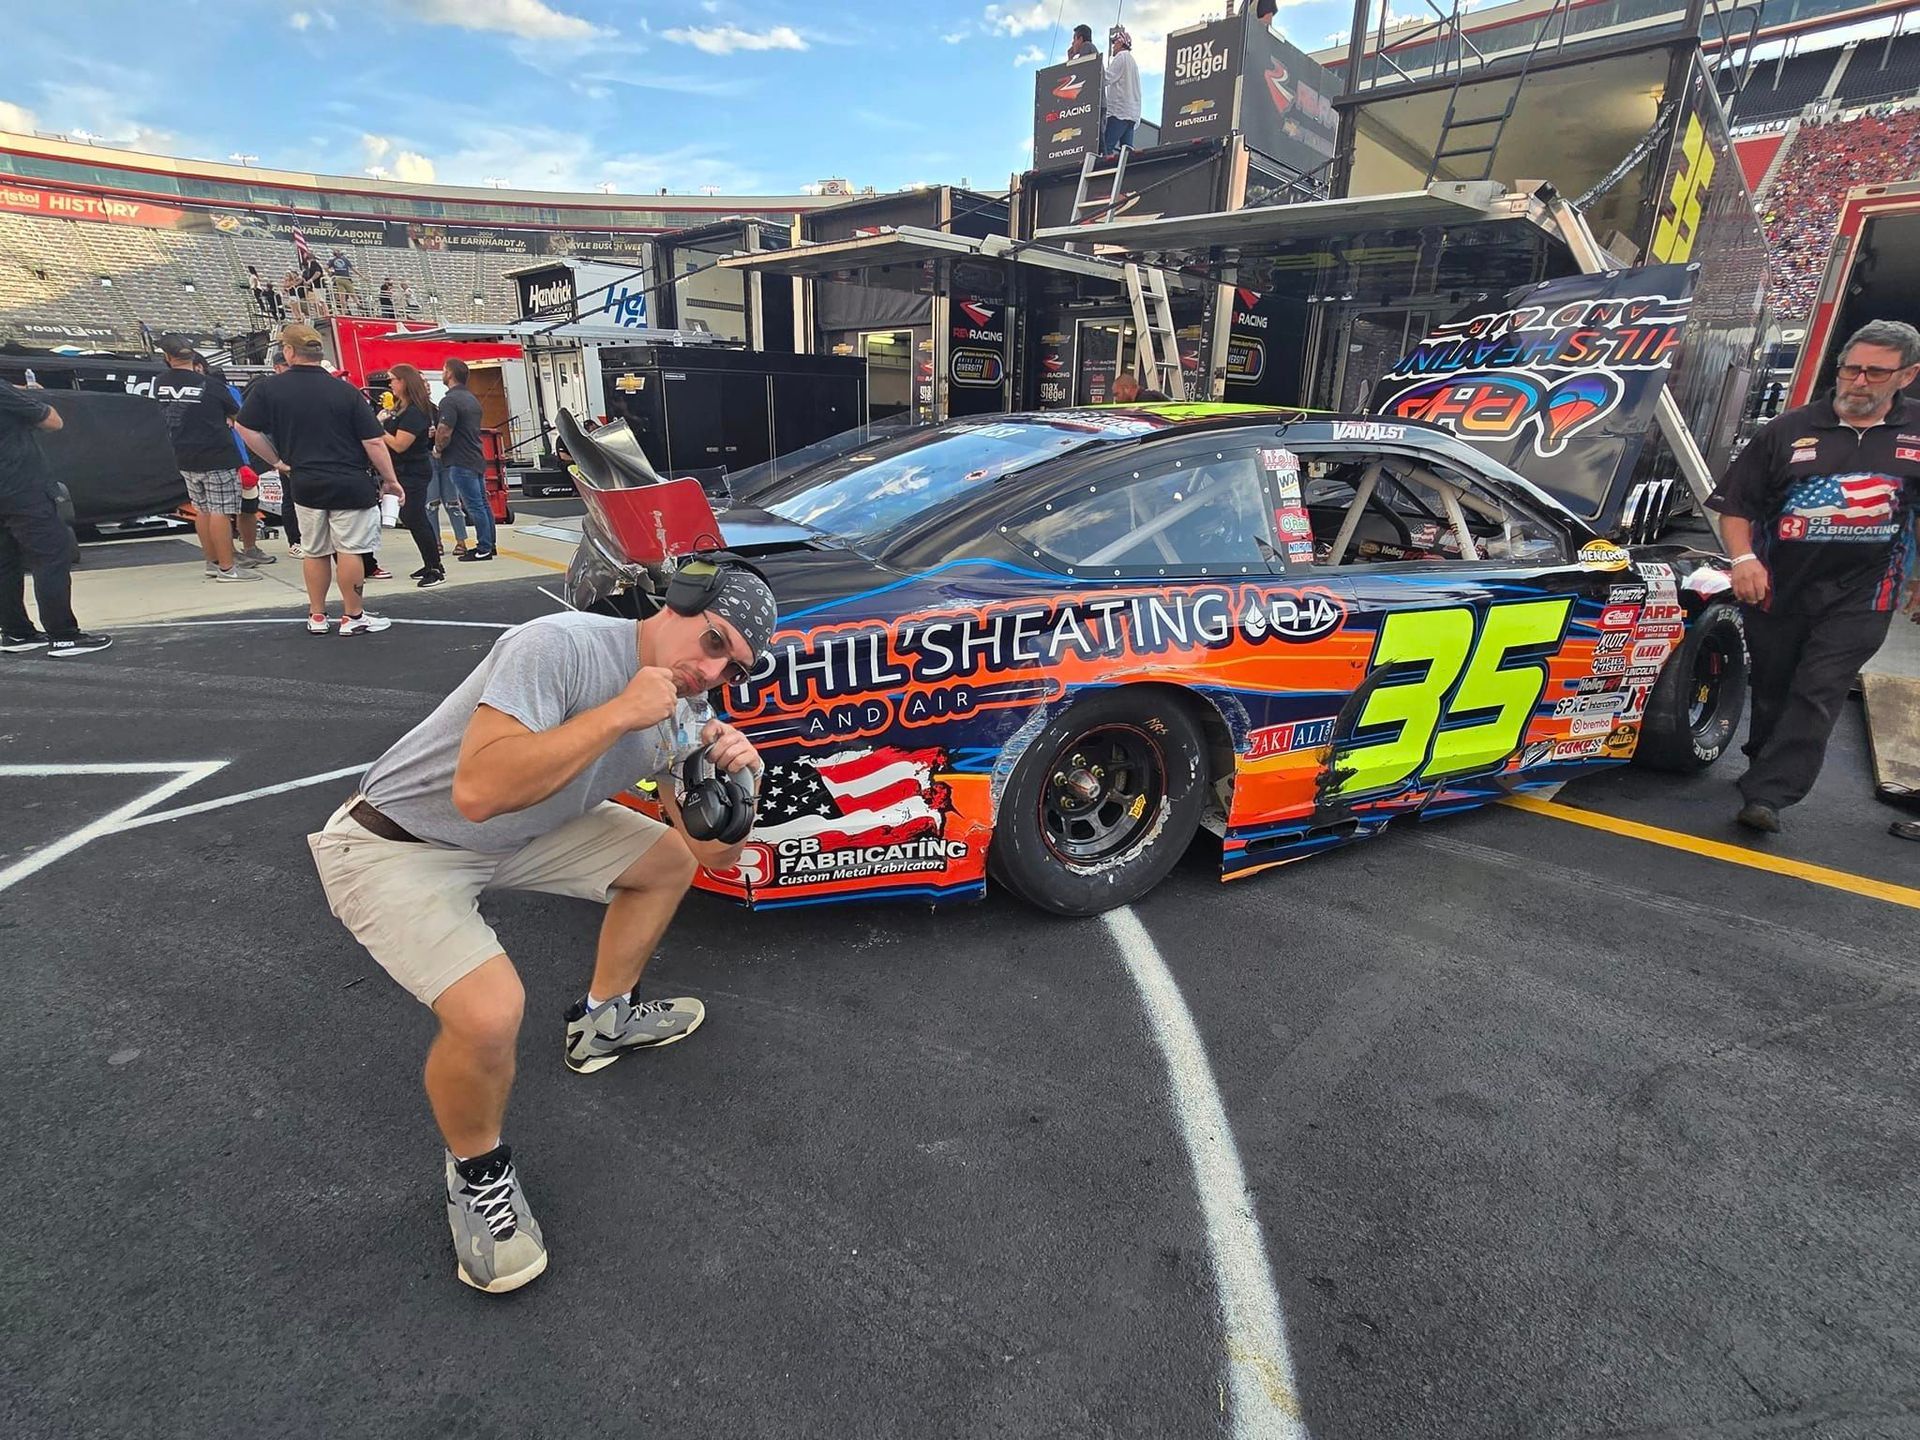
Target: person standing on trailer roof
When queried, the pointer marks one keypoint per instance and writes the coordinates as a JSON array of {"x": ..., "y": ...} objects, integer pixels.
[
  {"x": 1121, "y": 92},
  {"x": 1081, "y": 47}
]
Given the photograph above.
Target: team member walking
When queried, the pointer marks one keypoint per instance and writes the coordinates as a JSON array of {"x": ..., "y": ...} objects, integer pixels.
[
  {"x": 507, "y": 786},
  {"x": 461, "y": 456},
  {"x": 410, "y": 437},
  {"x": 198, "y": 406},
  {"x": 33, "y": 538},
  {"x": 320, "y": 435},
  {"x": 1819, "y": 513}
]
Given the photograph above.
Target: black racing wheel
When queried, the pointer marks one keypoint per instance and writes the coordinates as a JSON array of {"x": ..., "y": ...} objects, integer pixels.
[
  {"x": 1694, "y": 709},
  {"x": 1103, "y": 803}
]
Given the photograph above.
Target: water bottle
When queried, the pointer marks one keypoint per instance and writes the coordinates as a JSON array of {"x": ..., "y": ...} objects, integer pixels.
[{"x": 33, "y": 382}]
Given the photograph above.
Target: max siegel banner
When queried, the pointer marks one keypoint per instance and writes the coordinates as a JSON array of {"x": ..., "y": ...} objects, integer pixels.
[
  {"x": 1202, "y": 93},
  {"x": 1066, "y": 112}
]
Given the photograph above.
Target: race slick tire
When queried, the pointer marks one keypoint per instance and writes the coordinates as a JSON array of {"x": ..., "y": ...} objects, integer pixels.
[
  {"x": 1695, "y": 706},
  {"x": 1103, "y": 803}
]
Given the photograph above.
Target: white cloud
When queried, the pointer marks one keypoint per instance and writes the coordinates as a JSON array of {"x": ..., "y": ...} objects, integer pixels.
[
  {"x": 1032, "y": 55},
  {"x": 412, "y": 167},
  {"x": 542, "y": 157},
  {"x": 376, "y": 147},
  {"x": 385, "y": 162},
  {"x": 299, "y": 20},
  {"x": 725, "y": 39},
  {"x": 956, "y": 36},
  {"x": 1018, "y": 19},
  {"x": 18, "y": 118},
  {"x": 529, "y": 19}
]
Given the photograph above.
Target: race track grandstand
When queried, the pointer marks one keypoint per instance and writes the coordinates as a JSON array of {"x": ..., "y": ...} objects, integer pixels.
[{"x": 101, "y": 247}]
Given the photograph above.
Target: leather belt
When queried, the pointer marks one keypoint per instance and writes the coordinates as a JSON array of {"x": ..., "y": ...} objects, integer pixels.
[{"x": 367, "y": 818}]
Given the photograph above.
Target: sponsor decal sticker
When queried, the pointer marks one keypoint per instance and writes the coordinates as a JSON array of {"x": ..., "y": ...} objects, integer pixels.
[
  {"x": 1591, "y": 725},
  {"x": 1295, "y": 735},
  {"x": 1604, "y": 555},
  {"x": 1649, "y": 652},
  {"x": 1280, "y": 461},
  {"x": 1577, "y": 749},
  {"x": 1619, "y": 617},
  {"x": 1367, "y": 430},
  {"x": 1610, "y": 703},
  {"x": 1614, "y": 642},
  {"x": 1626, "y": 594},
  {"x": 1610, "y": 665}
]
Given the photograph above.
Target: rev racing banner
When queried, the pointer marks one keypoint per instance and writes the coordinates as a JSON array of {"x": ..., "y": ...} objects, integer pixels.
[
  {"x": 1559, "y": 381},
  {"x": 1066, "y": 112}
]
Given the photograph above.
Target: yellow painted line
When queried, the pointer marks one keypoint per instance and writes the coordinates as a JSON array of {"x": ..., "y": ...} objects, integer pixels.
[
  {"x": 446, "y": 540},
  {"x": 1719, "y": 850}
]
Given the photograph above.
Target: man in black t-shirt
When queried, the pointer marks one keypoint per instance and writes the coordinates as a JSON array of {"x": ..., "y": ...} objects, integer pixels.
[
  {"x": 1819, "y": 513},
  {"x": 33, "y": 537},
  {"x": 198, "y": 405},
  {"x": 320, "y": 435}
]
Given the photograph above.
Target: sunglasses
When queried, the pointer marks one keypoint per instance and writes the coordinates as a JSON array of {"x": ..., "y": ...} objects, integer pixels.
[
  {"x": 717, "y": 646},
  {"x": 1873, "y": 373}
]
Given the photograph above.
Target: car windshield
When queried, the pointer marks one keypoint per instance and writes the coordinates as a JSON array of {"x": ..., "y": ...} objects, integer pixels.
[{"x": 869, "y": 492}]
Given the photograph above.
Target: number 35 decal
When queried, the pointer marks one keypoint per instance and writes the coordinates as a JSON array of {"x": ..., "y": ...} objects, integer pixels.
[{"x": 1443, "y": 701}]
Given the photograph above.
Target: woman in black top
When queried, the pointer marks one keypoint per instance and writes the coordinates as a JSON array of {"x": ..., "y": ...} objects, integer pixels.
[{"x": 410, "y": 437}]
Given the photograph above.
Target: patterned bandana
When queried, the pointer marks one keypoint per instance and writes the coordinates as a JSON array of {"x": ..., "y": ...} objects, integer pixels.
[{"x": 746, "y": 602}]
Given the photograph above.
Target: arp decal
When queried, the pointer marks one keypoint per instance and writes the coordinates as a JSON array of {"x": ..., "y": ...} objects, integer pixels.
[
  {"x": 1448, "y": 693},
  {"x": 1504, "y": 405}
]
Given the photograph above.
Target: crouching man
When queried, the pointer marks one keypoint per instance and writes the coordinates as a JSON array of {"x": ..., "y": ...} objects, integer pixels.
[{"x": 507, "y": 786}]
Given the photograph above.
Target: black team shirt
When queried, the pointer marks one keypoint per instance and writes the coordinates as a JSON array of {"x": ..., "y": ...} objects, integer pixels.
[
  {"x": 1833, "y": 509},
  {"x": 197, "y": 407},
  {"x": 316, "y": 422}
]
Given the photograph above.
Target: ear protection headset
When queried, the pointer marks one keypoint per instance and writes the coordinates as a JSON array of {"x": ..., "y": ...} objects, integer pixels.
[
  {"x": 693, "y": 586},
  {"x": 714, "y": 807}
]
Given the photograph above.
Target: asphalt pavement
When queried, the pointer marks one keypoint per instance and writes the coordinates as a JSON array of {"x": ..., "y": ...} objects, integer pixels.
[{"x": 1548, "y": 1131}]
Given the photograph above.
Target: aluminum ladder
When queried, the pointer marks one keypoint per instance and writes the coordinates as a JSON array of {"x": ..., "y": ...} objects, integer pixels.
[
  {"x": 1156, "y": 347},
  {"x": 1091, "y": 170}
]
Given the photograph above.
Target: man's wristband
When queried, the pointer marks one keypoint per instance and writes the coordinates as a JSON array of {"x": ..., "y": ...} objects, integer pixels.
[{"x": 1742, "y": 559}]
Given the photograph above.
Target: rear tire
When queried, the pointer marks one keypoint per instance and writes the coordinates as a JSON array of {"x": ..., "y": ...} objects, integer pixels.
[
  {"x": 1103, "y": 803},
  {"x": 1694, "y": 710}
]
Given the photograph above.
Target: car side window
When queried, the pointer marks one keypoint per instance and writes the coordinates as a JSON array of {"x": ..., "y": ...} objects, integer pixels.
[
  {"x": 1384, "y": 509},
  {"x": 1200, "y": 513}
]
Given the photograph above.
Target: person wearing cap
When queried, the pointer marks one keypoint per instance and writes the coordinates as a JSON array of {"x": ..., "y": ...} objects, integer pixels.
[
  {"x": 1120, "y": 92},
  {"x": 198, "y": 406},
  {"x": 509, "y": 785},
  {"x": 322, "y": 438}
]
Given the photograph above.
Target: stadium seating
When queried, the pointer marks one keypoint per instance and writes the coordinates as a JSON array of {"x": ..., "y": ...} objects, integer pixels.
[
  {"x": 1880, "y": 72},
  {"x": 1775, "y": 92},
  {"x": 1803, "y": 204}
]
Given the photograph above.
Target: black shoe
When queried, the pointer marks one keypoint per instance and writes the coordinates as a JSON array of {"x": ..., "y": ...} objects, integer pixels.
[
  {"x": 478, "y": 555},
  {"x": 81, "y": 644},
  {"x": 432, "y": 578},
  {"x": 421, "y": 573},
  {"x": 1758, "y": 816},
  {"x": 20, "y": 644},
  {"x": 1905, "y": 829}
]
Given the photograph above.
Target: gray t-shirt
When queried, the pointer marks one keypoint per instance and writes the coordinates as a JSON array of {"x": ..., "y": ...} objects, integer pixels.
[
  {"x": 460, "y": 413},
  {"x": 542, "y": 674}
]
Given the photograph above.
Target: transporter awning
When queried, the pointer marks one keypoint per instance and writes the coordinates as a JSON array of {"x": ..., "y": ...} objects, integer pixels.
[
  {"x": 519, "y": 332},
  {"x": 912, "y": 244},
  {"x": 1442, "y": 203}
]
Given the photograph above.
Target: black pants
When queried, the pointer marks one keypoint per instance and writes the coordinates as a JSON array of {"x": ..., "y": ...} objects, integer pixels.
[
  {"x": 1803, "y": 670},
  {"x": 35, "y": 541},
  {"x": 413, "y": 515}
]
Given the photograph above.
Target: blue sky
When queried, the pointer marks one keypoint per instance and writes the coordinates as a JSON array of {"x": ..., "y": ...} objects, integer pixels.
[{"x": 757, "y": 97}]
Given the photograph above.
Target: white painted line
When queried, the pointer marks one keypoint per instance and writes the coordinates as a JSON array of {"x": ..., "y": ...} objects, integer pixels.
[
  {"x": 260, "y": 794},
  {"x": 189, "y": 772},
  {"x": 301, "y": 620},
  {"x": 1265, "y": 1400}
]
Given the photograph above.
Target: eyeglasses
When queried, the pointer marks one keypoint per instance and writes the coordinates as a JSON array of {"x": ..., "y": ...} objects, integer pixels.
[
  {"x": 717, "y": 645},
  {"x": 1872, "y": 373}
]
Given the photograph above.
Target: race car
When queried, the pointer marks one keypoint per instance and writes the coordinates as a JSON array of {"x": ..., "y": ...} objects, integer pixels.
[{"x": 1050, "y": 648}]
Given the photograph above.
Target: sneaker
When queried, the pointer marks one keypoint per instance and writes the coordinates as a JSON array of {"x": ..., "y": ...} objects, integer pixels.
[
  {"x": 254, "y": 557},
  {"x": 597, "y": 1038},
  {"x": 431, "y": 579},
  {"x": 318, "y": 624},
  {"x": 296, "y": 552},
  {"x": 419, "y": 574},
  {"x": 379, "y": 572},
  {"x": 81, "y": 644},
  {"x": 1756, "y": 815},
  {"x": 496, "y": 1241},
  {"x": 227, "y": 577},
  {"x": 208, "y": 569},
  {"x": 477, "y": 555},
  {"x": 20, "y": 644},
  {"x": 365, "y": 623}
]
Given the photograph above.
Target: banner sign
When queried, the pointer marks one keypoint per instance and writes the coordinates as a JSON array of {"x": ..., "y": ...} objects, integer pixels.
[
  {"x": 978, "y": 344},
  {"x": 1203, "y": 81},
  {"x": 1066, "y": 112},
  {"x": 320, "y": 230},
  {"x": 1559, "y": 382},
  {"x": 590, "y": 246},
  {"x": 546, "y": 294},
  {"x": 65, "y": 205},
  {"x": 1287, "y": 102}
]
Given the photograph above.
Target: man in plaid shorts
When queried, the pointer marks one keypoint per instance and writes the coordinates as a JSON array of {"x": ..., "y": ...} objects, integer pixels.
[{"x": 198, "y": 406}]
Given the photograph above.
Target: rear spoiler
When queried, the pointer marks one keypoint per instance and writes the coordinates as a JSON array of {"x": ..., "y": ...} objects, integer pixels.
[{"x": 650, "y": 518}]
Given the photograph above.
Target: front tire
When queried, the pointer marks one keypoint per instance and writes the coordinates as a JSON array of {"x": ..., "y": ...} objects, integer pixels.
[
  {"x": 1694, "y": 709},
  {"x": 1103, "y": 803}
]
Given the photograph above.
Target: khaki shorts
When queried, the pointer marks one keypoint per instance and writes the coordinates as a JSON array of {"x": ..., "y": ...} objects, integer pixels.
[
  {"x": 416, "y": 907},
  {"x": 329, "y": 532}
]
